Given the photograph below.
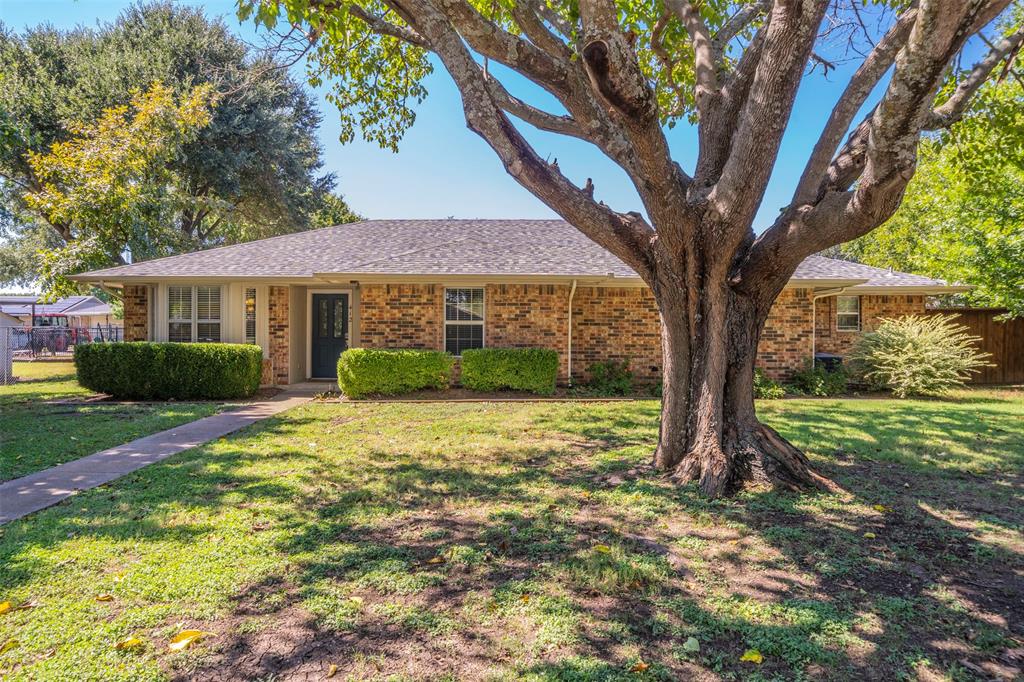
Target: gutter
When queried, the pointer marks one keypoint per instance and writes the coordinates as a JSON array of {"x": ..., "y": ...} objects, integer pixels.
[{"x": 572, "y": 295}]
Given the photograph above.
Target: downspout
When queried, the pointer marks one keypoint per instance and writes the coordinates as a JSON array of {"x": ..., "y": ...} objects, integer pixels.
[
  {"x": 572, "y": 294},
  {"x": 814, "y": 317}
]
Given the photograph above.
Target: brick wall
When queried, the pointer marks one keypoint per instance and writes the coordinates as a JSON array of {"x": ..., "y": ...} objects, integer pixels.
[
  {"x": 616, "y": 324},
  {"x": 401, "y": 316},
  {"x": 786, "y": 338},
  {"x": 872, "y": 309},
  {"x": 136, "y": 312},
  {"x": 278, "y": 336},
  {"x": 528, "y": 315},
  {"x": 608, "y": 323}
]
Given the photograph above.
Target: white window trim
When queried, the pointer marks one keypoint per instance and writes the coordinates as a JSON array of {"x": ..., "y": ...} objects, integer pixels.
[
  {"x": 195, "y": 321},
  {"x": 482, "y": 322},
  {"x": 843, "y": 328}
]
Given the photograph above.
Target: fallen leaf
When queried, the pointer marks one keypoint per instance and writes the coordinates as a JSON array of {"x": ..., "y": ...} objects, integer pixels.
[
  {"x": 880, "y": 508},
  {"x": 603, "y": 549},
  {"x": 870, "y": 536},
  {"x": 691, "y": 645},
  {"x": 752, "y": 656},
  {"x": 186, "y": 638},
  {"x": 332, "y": 670},
  {"x": 8, "y": 645},
  {"x": 104, "y": 597},
  {"x": 639, "y": 667},
  {"x": 5, "y": 606},
  {"x": 435, "y": 560},
  {"x": 129, "y": 643}
]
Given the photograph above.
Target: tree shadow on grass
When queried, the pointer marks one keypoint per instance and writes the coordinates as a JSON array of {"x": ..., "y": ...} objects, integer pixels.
[
  {"x": 528, "y": 560},
  {"x": 433, "y": 568}
]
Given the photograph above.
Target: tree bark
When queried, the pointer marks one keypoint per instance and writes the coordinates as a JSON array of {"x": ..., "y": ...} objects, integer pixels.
[{"x": 709, "y": 430}]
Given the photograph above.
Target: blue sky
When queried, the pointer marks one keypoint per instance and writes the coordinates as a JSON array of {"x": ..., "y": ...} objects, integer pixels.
[{"x": 442, "y": 169}]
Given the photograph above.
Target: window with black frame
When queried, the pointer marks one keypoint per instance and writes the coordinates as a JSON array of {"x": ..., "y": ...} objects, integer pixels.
[{"x": 463, "y": 319}]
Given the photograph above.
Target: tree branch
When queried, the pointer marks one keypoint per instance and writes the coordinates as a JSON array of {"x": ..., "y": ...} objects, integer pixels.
[
  {"x": 538, "y": 118},
  {"x": 705, "y": 65},
  {"x": 734, "y": 26},
  {"x": 789, "y": 37},
  {"x": 378, "y": 25},
  {"x": 881, "y": 153},
  {"x": 503, "y": 47},
  {"x": 952, "y": 110},
  {"x": 856, "y": 93},
  {"x": 526, "y": 14},
  {"x": 627, "y": 236}
]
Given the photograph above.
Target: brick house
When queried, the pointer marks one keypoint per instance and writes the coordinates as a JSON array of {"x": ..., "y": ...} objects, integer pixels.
[{"x": 457, "y": 284}]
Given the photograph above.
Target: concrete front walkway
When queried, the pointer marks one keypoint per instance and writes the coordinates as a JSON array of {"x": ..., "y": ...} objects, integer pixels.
[{"x": 44, "y": 488}]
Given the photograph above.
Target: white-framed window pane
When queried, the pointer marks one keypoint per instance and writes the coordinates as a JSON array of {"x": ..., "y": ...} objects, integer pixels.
[
  {"x": 208, "y": 303},
  {"x": 179, "y": 303},
  {"x": 460, "y": 337},
  {"x": 848, "y": 313},
  {"x": 464, "y": 305},
  {"x": 849, "y": 323},
  {"x": 250, "y": 315},
  {"x": 180, "y": 332},
  {"x": 848, "y": 304},
  {"x": 208, "y": 332}
]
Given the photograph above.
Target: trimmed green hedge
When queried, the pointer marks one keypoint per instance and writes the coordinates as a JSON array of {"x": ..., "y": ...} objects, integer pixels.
[
  {"x": 143, "y": 370},
  {"x": 374, "y": 371},
  {"x": 522, "y": 369}
]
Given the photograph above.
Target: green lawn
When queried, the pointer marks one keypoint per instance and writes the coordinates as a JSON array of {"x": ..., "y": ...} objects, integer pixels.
[
  {"x": 43, "y": 421},
  {"x": 531, "y": 541}
]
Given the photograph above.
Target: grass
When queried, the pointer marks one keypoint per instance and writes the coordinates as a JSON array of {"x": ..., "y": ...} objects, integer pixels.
[
  {"x": 44, "y": 423},
  {"x": 530, "y": 541}
]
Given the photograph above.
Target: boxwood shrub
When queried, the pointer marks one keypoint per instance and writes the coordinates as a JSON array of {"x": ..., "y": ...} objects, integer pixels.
[
  {"x": 377, "y": 371},
  {"x": 522, "y": 369},
  {"x": 144, "y": 370}
]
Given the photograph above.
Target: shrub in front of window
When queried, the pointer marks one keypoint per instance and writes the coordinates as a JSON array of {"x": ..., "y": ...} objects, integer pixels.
[
  {"x": 518, "y": 369},
  {"x": 611, "y": 377},
  {"x": 144, "y": 370},
  {"x": 766, "y": 388},
  {"x": 917, "y": 355},
  {"x": 819, "y": 381},
  {"x": 376, "y": 371}
]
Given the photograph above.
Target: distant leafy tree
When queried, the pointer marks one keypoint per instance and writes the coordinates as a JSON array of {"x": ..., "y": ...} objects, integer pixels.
[
  {"x": 962, "y": 217},
  {"x": 334, "y": 211},
  {"x": 254, "y": 171},
  {"x": 111, "y": 188}
]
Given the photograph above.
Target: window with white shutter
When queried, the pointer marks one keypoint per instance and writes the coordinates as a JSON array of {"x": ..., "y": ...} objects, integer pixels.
[
  {"x": 193, "y": 314},
  {"x": 249, "y": 307}
]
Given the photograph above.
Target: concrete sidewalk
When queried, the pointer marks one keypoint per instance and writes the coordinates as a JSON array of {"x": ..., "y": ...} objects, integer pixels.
[{"x": 45, "y": 488}]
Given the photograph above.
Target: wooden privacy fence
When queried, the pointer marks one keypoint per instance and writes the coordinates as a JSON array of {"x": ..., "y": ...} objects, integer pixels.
[{"x": 1003, "y": 340}]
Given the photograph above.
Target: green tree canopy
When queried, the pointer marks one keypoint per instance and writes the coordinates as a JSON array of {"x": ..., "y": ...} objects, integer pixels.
[
  {"x": 254, "y": 171},
  {"x": 962, "y": 218},
  {"x": 111, "y": 187}
]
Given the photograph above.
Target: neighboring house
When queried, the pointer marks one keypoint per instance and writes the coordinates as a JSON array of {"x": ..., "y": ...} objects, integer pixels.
[
  {"x": 73, "y": 311},
  {"x": 457, "y": 284}
]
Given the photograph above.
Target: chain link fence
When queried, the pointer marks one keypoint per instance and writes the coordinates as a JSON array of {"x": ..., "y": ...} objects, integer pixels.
[{"x": 39, "y": 343}]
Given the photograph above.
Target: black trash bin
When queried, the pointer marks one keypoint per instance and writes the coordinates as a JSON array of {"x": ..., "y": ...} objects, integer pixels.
[{"x": 828, "y": 361}]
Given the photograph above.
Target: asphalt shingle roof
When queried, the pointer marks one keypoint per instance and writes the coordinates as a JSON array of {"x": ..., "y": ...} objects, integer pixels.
[{"x": 440, "y": 247}]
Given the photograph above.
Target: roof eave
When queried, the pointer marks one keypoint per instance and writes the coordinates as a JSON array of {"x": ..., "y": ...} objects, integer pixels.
[{"x": 922, "y": 289}]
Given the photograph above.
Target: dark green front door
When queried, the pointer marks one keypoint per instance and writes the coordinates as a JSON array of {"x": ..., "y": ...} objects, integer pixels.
[{"x": 330, "y": 333}]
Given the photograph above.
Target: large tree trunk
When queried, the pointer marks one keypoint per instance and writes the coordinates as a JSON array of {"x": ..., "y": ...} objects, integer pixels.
[{"x": 709, "y": 431}]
